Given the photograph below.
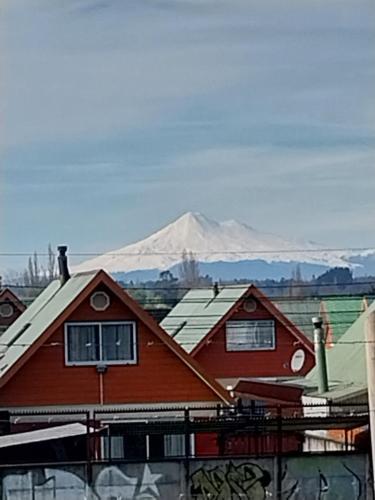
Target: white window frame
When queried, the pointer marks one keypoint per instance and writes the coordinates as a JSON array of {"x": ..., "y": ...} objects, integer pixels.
[
  {"x": 100, "y": 361},
  {"x": 106, "y": 450},
  {"x": 246, "y": 348}
]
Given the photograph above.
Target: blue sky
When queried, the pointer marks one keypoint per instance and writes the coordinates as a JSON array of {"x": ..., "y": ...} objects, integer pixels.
[{"x": 118, "y": 116}]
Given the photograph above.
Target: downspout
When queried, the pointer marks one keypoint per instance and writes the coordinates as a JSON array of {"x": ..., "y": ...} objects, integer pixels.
[
  {"x": 320, "y": 355},
  {"x": 101, "y": 369},
  {"x": 101, "y": 388}
]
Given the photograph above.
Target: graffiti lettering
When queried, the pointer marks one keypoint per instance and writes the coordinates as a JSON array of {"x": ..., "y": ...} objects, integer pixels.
[
  {"x": 110, "y": 484},
  {"x": 245, "y": 481},
  {"x": 322, "y": 477}
]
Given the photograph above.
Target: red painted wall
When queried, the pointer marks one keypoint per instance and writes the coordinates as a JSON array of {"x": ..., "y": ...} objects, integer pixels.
[
  {"x": 18, "y": 307},
  {"x": 268, "y": 363},
  {"x": 159, "y": 375}
]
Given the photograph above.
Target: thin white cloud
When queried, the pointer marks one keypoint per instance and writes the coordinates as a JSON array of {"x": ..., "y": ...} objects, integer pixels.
[{"x": 124, "y": 66}]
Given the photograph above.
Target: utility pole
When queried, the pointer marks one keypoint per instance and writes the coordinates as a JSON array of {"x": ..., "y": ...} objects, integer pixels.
[{"x": 370, "y": 364}]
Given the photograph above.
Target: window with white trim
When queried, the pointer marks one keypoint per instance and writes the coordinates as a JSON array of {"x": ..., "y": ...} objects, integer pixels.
[
  {"x": 102, "y": 342},
  {"x": 144, "y": 447},
  {"x": 250, "y": 335}
]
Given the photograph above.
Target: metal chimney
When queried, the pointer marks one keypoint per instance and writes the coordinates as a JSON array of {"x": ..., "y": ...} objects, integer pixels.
[
  {"x": 63, "y": 264},
  {"x": 216, "y": 289},
  {"x": 320, "y": 355}
]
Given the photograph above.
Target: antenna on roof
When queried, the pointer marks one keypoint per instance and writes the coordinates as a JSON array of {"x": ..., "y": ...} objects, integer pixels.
[{"x": 63, "y": 264}]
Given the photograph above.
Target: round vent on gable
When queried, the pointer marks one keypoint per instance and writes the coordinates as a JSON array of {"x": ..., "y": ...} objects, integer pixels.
[
  {"x": 6, "y": 310},
  {"x": 250, "y": 305},
  {"x": 99, "y": 301}
]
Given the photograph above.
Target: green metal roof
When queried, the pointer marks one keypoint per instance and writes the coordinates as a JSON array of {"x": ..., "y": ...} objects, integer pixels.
[
  {"x": 346, "y": 360},
  {"x": 342, "y": 313},
  {"x": 300, "y": 312},
  {"x": 198, "y": 312},
  {"x": 38, "y": 317},
  {"x": 340, "y": 392}
]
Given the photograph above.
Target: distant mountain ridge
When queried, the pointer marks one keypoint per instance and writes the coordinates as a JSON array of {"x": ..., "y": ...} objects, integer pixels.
[{"x": 229, "y": 248}]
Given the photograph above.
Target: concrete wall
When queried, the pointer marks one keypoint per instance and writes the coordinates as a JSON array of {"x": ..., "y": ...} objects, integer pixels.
[{"x": 309, "y": 477}]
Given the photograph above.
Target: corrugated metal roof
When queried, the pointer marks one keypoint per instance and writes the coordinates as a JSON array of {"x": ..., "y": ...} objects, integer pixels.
[
  {"x": 198, "y": 312},
  {"x": 342, "y": 313},
  {"x": 49, "y": 434},
  {"x": 340, "y": 392},
  {"x": 346, "y": 360},
  {"x": 300, "y": 312},
  {"x": 38, "y": 317}
]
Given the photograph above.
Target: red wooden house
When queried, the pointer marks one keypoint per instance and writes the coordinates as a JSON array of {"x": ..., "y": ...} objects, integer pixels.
[
  {"x": 237, "y": 332},
  {"x": 10, "y": 308},
  {"x": 86, "y": 345},
  {"x": 238, "y": 336}
]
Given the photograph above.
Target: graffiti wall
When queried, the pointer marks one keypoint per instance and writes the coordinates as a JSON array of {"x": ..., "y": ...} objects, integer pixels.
[
  {"x": 327, "y": 477},
  {"x": 120, "y": 482},
  {"x": 311, "y": 477}
]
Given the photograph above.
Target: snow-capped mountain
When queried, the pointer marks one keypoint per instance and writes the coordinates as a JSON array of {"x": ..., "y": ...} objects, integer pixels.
[{"x": 212, "y": 242}]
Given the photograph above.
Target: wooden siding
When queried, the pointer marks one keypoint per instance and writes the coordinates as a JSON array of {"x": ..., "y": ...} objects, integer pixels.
[
  {"x": 159, "y": 376},
  {"x": 220, "y": 363},
  {"x": 7, "y": 297}
]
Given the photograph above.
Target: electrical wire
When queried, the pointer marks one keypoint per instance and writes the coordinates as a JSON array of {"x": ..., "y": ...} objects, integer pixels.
[
  {"x": 257, "y": 283},
  {"x": 207, "y": 252}
]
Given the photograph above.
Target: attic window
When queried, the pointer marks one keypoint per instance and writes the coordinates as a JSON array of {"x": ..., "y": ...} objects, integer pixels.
[
  {"x": 99, "y": 301},
  {"x": 250, "y": 335},
  {"x": 6, "y": 310},
  {"x": 109, "y": 343}
]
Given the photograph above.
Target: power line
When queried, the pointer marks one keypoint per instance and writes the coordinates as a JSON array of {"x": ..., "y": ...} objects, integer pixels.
[
  {"x": 222, "y": 285},
  {"x": 283, "y": 311},
  {"x": 158, "y": 342},
  {"x": 210, "y": 252}
]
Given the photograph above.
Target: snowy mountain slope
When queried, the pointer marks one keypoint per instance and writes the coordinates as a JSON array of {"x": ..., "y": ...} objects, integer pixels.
[{"x": 210, "y": 242}]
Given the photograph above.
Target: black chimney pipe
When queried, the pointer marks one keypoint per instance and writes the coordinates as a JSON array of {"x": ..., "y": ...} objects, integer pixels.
[{"x": 63, "y": 264}]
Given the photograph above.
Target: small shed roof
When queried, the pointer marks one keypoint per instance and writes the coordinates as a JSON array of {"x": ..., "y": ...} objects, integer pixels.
[{"x": 49, "y": 434}]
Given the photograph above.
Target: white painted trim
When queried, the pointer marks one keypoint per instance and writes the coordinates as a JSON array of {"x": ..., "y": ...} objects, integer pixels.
[
  {"x": 101, "y": 361},
  {"x": 92, "y": 298},
  {"x": 254, "y": 349}
]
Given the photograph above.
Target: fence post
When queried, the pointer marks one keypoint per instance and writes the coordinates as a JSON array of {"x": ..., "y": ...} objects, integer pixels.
[
  {"x": 88, "y": 450},
  {"x": 187, "y": 449},
  {"x": 279, "y": 468}
]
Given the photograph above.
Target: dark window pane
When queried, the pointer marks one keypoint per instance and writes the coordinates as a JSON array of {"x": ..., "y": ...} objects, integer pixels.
[
  {"x": 117, "y": 342},
  {"x": 83, "y": 343},
  {"x": 135, "y": 447},
  {"x": 156, "y": 446}
]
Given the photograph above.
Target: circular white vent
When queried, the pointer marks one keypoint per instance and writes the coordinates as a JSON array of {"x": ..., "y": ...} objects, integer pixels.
[
  {"x": 298, "y": 360},
  {"x": 250, "y": 305},
  {"x": 99, "y": 301},
  {"x": 6, "y": 310}
]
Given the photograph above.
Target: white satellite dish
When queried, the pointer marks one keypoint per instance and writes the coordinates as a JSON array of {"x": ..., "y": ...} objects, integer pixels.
[{"x": 298, "y": 360}]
